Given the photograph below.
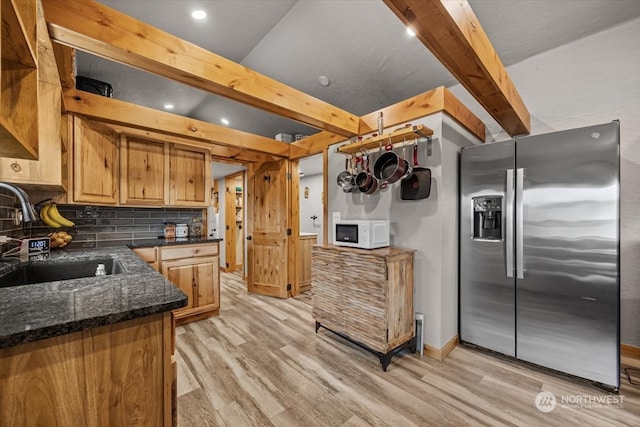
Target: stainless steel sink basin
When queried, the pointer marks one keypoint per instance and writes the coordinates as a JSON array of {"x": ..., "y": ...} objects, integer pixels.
[{"x": 40, "y": 272}]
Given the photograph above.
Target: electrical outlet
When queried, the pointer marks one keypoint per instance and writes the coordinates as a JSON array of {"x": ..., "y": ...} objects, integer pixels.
[{"x": 336, "y": 216}]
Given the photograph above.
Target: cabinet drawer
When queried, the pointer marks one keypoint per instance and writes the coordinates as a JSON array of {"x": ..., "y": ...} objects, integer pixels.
[
  {"x": 150, "y": 255},
  {"x": 189, "y": 251}
]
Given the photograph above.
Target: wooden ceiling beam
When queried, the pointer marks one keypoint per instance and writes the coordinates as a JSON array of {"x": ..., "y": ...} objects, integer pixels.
[
  {"x": 452, "y": 32},
  {"x": 114, "y": 111},
  {"x": 105, "y": 32},
  {"x": 425, "y": 104}
]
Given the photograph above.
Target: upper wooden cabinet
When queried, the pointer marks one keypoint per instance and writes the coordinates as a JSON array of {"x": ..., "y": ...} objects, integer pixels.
[
  {"x": 189, "y": 170},
  {"x": 144, "y": 178},
  {"x": 18, "y": 79},
  {"x": 118, "y": 169},
  {"x": 95, "y": 163}
]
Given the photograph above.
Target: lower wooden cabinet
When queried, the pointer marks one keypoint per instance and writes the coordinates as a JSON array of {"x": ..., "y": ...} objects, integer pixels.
[
  {"x": 114, "y": 375},
  {"x": 150, "y": 255},
  {"x": 195, "y": 269},
  {"x": 307, "y": 240}
]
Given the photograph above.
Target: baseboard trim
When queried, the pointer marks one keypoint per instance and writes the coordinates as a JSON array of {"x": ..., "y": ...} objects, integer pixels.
[
  {"x": 629, "y": 351},
  {"x": 441, "y": 353}
]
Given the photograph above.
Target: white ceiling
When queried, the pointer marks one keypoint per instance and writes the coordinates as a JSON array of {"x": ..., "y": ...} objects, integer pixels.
[{"x": 360, "y": 45}]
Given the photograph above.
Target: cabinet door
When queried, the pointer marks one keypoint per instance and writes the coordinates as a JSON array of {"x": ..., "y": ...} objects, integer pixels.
[
  {"x": 182, "y": 275},
  {"x": 207, "y": 274},
  {"x": 144, "y": 175},
  {"x": 95, "y": 163},
  {"x": 189, "y": 176}
]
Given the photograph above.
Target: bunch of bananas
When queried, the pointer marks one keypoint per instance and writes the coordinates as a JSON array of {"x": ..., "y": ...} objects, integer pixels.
[
  {"x": 50, "y": 216},
  {"x": 60, "y": 239}
]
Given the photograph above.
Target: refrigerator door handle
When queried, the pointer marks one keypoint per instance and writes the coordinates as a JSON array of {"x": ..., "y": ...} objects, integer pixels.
[
  {"x": 519, "y": 223},
  {"x": 508, "y": 221}
]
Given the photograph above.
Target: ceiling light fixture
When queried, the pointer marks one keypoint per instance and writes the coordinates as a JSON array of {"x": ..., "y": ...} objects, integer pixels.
[
  {"x": 168, "y": 106},
  {"x": 224, "y": 121},
  {"x": 324, "y": 80},
  {"x": 410, "y": 32},
  {"x": 198, "y": 14}
]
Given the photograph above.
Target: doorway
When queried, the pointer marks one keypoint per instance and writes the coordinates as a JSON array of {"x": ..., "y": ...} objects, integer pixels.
[{"x": 234, "y": 186}]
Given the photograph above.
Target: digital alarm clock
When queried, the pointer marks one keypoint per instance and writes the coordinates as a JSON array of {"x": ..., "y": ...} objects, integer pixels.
[{"x": 35, "y": 246}]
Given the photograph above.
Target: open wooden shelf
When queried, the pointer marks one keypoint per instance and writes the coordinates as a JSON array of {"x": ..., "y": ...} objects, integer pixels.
[
  {"x": 19, "y": 80},
  {"x": 399, "y": 135}
]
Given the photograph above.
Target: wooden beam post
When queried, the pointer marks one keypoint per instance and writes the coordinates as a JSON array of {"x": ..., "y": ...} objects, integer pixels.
[
  {"x": 102, "y": 31},
  {"x": 452, "y": 32}
]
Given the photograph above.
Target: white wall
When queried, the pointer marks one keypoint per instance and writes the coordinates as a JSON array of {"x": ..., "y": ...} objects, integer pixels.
[
  {"x": 593, "y": 80},
  {"x": 430, "y": 226},
  {"x": 311, "y": 206}
]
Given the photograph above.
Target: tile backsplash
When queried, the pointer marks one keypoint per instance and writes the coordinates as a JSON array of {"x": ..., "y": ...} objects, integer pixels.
[{"x": 98, "y": 226}]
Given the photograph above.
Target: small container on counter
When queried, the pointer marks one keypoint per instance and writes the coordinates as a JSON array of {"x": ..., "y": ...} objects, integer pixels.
[
  {"x": 169, "y": 230},
  {"x": 195, "y": 227},
  {"x": 182, "y": 230}
]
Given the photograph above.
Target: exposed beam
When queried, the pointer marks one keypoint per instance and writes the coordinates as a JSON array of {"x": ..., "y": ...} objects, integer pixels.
[
  {"x": 452, "y": 32},
  {"x": 431, "y": 102},
  {"x": 218, "y": 152},
  {"x": 105, "y": 32},
  {"x": 111, "y": 110}
]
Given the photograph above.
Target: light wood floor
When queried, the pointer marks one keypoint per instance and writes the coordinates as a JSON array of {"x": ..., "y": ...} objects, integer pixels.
[{"x": 260, "y": 363}]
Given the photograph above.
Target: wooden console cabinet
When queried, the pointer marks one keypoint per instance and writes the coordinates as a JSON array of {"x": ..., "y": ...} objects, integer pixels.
[{"x": 365, "y": 296}]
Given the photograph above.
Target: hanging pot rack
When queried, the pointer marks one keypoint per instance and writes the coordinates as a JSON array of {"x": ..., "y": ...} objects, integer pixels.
[{"x": 398, "y": 135}]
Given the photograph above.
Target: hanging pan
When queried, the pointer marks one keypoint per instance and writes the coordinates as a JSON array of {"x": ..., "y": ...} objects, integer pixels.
[
  {"x": 417, "y": 185},
  {"x": 364, "y": 180}
]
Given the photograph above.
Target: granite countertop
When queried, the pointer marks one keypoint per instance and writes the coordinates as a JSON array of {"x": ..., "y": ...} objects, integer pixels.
[
  {"x": 43, "y": 310},
  {"x": 161, "y": 241}
]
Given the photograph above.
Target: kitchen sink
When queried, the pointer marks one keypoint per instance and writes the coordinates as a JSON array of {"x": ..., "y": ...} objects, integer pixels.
[{"x": 39, "y": 272}]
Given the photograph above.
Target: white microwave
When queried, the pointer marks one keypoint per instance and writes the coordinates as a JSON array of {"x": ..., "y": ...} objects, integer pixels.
[{"x": 361, "y": 233}]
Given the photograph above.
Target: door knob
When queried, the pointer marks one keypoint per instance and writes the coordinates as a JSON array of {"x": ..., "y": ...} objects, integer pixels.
[{"x": 249, "y": 238}]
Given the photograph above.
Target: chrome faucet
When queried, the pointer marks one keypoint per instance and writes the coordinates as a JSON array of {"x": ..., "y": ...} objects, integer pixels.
[{"x": 28, "y": 211}]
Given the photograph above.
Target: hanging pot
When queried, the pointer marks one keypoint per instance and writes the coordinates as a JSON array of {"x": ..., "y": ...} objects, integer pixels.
[
  {"x": 364, "y": 180},
  {"x": 345, "y": 178},
  {"x": 389, "y": 167},
  {"x": 417, "y": 185}
]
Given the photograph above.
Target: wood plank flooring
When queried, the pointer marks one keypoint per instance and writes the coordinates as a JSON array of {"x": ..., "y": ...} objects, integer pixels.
[{"x": 260, "y": 363}]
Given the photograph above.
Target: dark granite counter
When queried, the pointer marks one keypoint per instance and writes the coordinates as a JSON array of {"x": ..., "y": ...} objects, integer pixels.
[
  {"x": 43, "y": 310},
  {"x": 161, "y": 241}
]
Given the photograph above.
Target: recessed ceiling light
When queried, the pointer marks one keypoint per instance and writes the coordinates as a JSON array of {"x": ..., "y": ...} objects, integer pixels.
[
  {"x": 224, "y": 121},
  {"x": 410, "y": 32},
  {"x": 198, "y": 14},
  {"x": 324, "y": 80},
  {"x": 168, "y": 106}
]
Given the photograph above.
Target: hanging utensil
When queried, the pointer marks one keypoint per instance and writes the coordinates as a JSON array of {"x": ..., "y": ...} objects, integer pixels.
[
  {"x": 389, "y": 167},
  {"x": 417, "y": 185},
  {"x": 345, "y": 178}
]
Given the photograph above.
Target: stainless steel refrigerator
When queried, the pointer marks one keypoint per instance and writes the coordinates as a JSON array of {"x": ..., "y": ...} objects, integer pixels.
[{"x": 539, "y": 250}]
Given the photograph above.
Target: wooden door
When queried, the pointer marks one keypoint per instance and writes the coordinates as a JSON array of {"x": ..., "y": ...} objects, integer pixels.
[
  {"x": 144, "y": 169},
  {"x": 269, "y": 203},
  {"x": 189, "y": 174},
  {"x": 95, "y": 163}
]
